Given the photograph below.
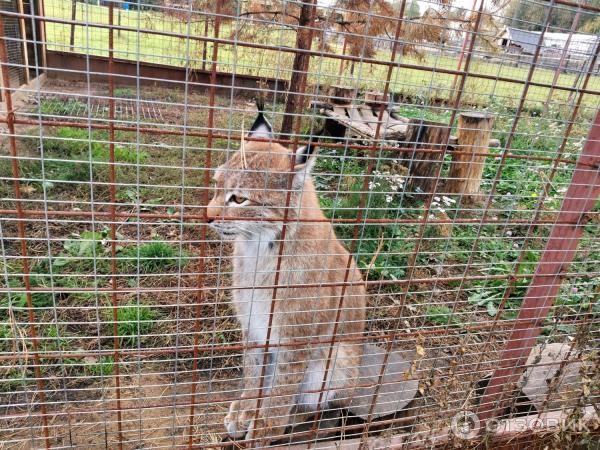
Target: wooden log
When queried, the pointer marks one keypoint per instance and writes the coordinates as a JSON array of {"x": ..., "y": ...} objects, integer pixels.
[
  {"x": 466, "y": 169},
  {"x": 341, "y": 95},
  {"x": 424, "y": 166}
]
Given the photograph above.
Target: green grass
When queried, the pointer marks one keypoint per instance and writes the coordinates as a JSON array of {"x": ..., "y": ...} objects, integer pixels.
[
  {"x": 54, "y": 106},
  {"x": 7, "y": 336},
  {"x": 125, "y": 93},
  {"x": 86, "y": 253},
  {"x": 133, "y": 321},
  {"x": 153, "y": 257},
  {"x": 19, "y": 300},
  {"x": 420, "y": 85},
  {"x": 103, "y": 367},
  {"x": 74, "y": 155}
]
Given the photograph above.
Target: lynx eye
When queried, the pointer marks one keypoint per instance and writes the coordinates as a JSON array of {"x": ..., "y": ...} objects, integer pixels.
[{"x": 237, "y": 199}]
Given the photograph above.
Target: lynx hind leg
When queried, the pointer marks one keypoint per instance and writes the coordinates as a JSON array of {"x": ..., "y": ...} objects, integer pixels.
[
  {"x": 345, "y": 374},
  {"x": 342, "y": 372}
]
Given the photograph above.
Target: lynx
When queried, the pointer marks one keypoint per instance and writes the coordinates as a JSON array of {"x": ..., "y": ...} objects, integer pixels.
[{"x": 251, "y": 190}]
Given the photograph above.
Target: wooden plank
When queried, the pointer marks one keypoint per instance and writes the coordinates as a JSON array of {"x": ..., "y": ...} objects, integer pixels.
[{"x": 356, "y": 126}]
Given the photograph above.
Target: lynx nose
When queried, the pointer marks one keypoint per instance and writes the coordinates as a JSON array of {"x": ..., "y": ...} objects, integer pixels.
[{"x": 212, "y": 212}]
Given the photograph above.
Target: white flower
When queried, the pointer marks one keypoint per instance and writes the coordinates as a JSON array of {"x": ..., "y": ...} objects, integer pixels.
[
  {"x": 389, "y": 198},
  {"x": 448, "y": 201}
]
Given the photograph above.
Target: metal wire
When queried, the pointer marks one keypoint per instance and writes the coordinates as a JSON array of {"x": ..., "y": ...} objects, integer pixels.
[{"x": 478, "y": 248}]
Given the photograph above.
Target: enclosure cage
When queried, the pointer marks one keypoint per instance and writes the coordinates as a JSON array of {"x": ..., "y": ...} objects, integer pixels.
[{"x": 438, "y": 170}]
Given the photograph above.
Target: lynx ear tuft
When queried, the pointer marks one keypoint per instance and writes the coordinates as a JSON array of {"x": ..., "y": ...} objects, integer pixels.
[
  {"x": 305, "y": 159},
  {"x": 261, "y": 128},
  {"x": 305, "y": 156},
  {"x": 304, "y": 163}
]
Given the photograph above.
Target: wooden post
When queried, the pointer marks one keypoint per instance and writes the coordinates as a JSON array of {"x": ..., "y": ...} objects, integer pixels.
[
  {"x": 23, "y": 28},
  {"x": 73, "y": 17},
  {"x": 342, "y": 61},
  {"x": 374, "y": 98},
  {"x": 304, "y": 39},
  {"x": 42, "y": 37},
  {"x": 466, "y": 169},
  {"x": 423, "y": 165},
  {"x": 204, "y": 44}
]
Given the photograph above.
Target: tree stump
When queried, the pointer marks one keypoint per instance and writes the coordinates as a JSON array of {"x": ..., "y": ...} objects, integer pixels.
[
  {"x": 374, "y": 98},
  {"x": 466, "y": 169},
  {"x": 424, "y": 166},
  {"x": 341, "y": 95}
]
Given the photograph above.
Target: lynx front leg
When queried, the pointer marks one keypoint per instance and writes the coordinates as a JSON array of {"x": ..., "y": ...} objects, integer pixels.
[
  {"x": 243, "y": 410},
  {"x": 274, "y": 415}
]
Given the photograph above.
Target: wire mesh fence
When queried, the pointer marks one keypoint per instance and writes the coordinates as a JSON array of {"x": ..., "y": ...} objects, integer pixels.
[{"x": 293, "y": 223}]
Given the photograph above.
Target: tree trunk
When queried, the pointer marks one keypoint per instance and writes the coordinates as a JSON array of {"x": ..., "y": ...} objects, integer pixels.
[
  {"x": 466, "y": 170},
  {"x": 297, "y": 86}
]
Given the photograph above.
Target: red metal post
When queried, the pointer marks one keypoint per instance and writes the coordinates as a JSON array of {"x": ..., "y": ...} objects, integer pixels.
[
  {"x": 33, "y": 331},
  {"x": 560, "y": 250}
]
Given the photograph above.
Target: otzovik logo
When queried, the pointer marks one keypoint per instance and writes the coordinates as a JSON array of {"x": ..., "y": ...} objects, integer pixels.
[{"x": 465, "y": 425}]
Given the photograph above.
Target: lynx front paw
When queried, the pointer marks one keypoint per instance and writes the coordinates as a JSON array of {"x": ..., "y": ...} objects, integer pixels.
[
  {"x": 237, "y": 420},
  {"x": 260, "y": 430}
]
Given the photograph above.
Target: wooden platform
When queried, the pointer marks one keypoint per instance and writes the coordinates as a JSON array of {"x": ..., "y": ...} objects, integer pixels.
[{"x": 361, "y": 120}]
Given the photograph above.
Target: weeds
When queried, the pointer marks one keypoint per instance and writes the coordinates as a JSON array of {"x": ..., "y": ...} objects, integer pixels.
[
  {"x": 125, "y": 93},
  {"x": 101, "y": 367},
  {"x": 153, "y": 257},
  {"x": 442, "y": 315},
  {"x": 59, "y": 107},
  {"x": 133, "y": 321},
  {"x": 18, "y": 300}
]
